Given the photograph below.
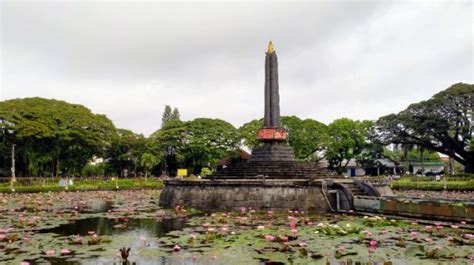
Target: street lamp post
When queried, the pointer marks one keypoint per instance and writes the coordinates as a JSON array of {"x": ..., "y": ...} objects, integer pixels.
[{"x": 13, "y": 180}]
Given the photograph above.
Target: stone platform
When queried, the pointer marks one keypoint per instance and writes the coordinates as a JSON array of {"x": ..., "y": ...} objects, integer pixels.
[
  {"x": 273, "y": 151},
  {"x": 279, "y": 195},
  {"x": 284, "y": 170}
]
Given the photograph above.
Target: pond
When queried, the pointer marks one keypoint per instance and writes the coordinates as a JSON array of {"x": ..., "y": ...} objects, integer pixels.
[{"x": 92, "y": 227}]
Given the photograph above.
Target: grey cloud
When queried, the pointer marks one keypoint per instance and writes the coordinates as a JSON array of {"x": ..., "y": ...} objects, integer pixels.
[{"x": 337, "y": 59}]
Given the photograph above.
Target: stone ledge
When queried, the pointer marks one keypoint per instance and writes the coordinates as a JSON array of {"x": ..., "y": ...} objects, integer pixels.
[{"x": 251, "y": 182}]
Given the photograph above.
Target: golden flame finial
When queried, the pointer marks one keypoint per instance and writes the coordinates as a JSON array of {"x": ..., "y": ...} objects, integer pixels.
[{"x": 270, "y": 47}]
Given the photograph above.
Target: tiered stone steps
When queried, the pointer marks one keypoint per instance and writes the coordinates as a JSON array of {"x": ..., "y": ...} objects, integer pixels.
[
  {"x": 273, "y": 170},
  {"x": 354, "y": 188}
]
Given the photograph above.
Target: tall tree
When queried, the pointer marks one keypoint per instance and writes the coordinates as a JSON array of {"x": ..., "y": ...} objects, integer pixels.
[
  {"x": 169, "y": 115},
  {"x": 166, "y": 115},
  {"x": 444, "y": 123},
  {"x": 53, "y": 136},
  {"x": 198, "y": 142},
  {"x": 348, "y": 139},
  {"x": 148, "y": 161},
  {"x": 125, "y": 152},
  {"x": 175, "y": 115}
]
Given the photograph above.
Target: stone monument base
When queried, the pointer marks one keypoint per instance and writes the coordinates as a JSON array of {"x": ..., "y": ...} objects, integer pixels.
[{"x": 278, "y": 195}]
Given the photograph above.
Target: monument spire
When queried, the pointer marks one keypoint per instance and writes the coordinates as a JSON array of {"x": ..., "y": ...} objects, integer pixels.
[
  {"x": 270, "y": 47},
  {"x": 272, "y": 94}
]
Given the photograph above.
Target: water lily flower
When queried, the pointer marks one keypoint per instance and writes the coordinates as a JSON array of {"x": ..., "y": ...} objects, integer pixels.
[
  {"x": 455, "y": 226},
  {"x": 24, "y": 263},
  {"x": 373, "y": 243},
  {"x": 176, "y": 248},
  {"x": 341, "y": 248},
  {"x": 91, "y": 232},
  {"x": 260, "y": 227},
  {"x": 269, "y": 238},
  {"x": 294, "y": 231},
  {"x": 414, "y": 234},
  {"x": 214, "y": 258},
  {"x": 463, "y": 222},
  {"x": 65, "y": 251},
  {"x": 469, "y": 236},
  {"x": 50, "y": 252},
  {"x": 428, "y": 239},
  {"x": 303, "y": 244},
  {"x": 429, "y": 228}
]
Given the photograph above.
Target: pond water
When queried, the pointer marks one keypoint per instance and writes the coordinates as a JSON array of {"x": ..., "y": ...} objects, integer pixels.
[
  {"x": 111, "y": 226},
  {"x": 91, "y": 227}
]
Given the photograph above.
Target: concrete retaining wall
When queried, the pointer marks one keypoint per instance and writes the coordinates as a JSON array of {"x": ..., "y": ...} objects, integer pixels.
[
  {"x": 228, "y": 195},
  {"x": 449, "y": 210}
]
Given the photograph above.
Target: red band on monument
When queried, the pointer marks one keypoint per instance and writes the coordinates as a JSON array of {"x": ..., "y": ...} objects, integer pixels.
[{"x": 277, "y": 134}]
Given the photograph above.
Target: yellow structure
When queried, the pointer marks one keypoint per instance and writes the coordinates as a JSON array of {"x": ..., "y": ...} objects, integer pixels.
[
  {"x": 182, "y": 172},
  {"x": 270, "y": 47}
]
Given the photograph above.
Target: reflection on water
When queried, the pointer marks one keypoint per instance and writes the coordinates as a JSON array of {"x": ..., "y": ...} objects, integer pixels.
[
  {"x": 100, "y": 206},
  {"x": 108, "y": 226}
]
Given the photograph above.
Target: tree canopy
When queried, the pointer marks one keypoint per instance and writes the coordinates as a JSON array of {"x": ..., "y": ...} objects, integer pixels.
[
  {"x": 442, "y": 123},
  {"x": 53, "y": 136},
  {"x": 198, "y": 142},
  {"x": 349, "y": 139},
  {"x": 169, "y": 115}
]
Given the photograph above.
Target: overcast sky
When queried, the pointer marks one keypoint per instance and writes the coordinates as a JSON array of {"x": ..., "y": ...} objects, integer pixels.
[{"x": 359, "y": 60}]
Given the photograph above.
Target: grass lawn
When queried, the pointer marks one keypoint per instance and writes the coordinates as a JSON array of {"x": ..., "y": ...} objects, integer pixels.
[
  {"x": 407, "y": 183},
  {"x": 87, "y": 184}
]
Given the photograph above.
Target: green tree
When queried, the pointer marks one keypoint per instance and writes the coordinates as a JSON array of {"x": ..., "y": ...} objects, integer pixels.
[
  {"x": 125, "y": 152},
  {"x": 199, "y": 142},
  {"x": 148, "y": 161},
  {"x": 442, "y": 124},
  {"x": 169, "y": 115},
  {"x": 248, "y": 132},
  {"x": 175, "y": 115},
  {"x": 305, "y": 136},
  {"x": 166, "y": 115},
  {"x": 349, "y": 139},
  {"x": 53, "y": 136}
]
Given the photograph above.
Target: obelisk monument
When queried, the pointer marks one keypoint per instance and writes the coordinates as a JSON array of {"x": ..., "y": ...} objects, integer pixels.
[
  {"x": 272, "y": 134},
  {"x": 272, "y": 94}
]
